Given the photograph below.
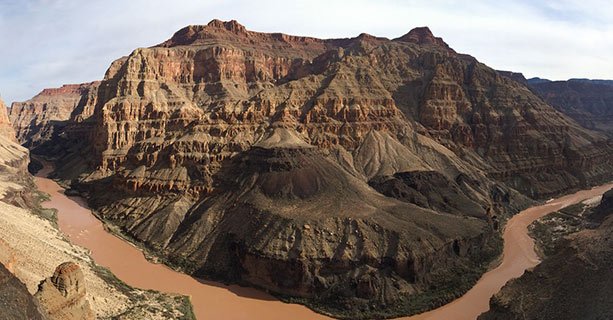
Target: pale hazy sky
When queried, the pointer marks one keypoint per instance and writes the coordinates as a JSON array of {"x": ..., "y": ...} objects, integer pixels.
[{"x": 46, "y": 43}]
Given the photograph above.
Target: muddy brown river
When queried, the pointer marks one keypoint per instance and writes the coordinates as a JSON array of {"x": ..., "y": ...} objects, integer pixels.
[
  {"x": 518, "y": 255},
  {"x": 212, "y": 300}
]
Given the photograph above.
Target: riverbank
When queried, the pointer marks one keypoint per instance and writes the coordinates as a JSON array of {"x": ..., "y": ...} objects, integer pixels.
[
  {"x": 210, "y": 300},
  {"x": 215, "y": 300},
  {"x": 519, "y": 255},
  {"x": 575, "y": 276},
  {"x": 31, "y": 247}
]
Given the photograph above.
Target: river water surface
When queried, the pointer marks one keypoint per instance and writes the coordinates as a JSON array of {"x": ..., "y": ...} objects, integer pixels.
[
  {"x": 518, "y": 255},
  {"x": 213, "y": 300}
]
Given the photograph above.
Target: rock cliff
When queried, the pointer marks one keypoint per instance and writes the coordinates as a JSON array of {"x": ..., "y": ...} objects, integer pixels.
[
  {"x": 589, "y": 102},
  {"x": 6, "y": 129},
  {"x": 31, "y": 247},
  {"x": 14, "y": 158},
  {"x": 264, "y": 159},
  {"x": 41, "y": 118},
  {"x": 63, "y": 296},
  {"x": 16, "y": 302},
  {"x": 211, "y": 91}
]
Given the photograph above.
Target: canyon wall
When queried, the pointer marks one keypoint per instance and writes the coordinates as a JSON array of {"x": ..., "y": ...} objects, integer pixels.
[
  {"x": 350, "y": 174},
  {"x": 31, "y": 247},
  {"x": 589, "y": 102},
  {"x": 41, "y": 118}
]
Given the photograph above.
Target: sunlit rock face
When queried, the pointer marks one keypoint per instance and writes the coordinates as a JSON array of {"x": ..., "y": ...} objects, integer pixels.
[
  {"x": 6, "y": 129},
  {"x": 63, "y": 295},
  {"x": 352, "y": 174}
]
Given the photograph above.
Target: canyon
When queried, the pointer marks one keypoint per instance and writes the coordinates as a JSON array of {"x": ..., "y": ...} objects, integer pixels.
[
  {"x": 43, "y": 275},
  {"x": 364, "y": 177},
  {"x": 575, "y": 277}
]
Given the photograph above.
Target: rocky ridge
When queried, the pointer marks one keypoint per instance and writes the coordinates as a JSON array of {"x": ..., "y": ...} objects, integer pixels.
[
  {"x": 44, "y": 116},
  {"x": 6, "y": 128},
  {"x": 589, "y": 102},
  {"x": 220, "y": 125}
]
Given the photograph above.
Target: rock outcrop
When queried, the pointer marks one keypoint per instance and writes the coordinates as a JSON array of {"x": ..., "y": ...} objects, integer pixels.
[
  {"x": 589, "y": 102},
  {"x": 604, "y": 209},
  {"x": 14, "y": 158},
  {"x": 573, "y": 283},
  {"x": 517, "y": 76},
  {"x": 41, "y": 118},
  {"x": 6, "y": 129},
  {"x": 63, "y": 296},
  {"x": 16, "y": 303},
  {"x": 247, "y": 156}
]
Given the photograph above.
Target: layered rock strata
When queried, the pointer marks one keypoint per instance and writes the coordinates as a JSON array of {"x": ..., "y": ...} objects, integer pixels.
[
  {"x": 247, "y": 156},
  {"x": 589, "y": 102},
  {"x": 63, "y": 296},
  {"x": 43, "y": 117},
  {"x": 31, "y": 247}
]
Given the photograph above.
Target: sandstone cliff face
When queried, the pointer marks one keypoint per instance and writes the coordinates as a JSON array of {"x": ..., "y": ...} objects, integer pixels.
[
  {"x": 37, "y": 120},
  {"x": 63, "y": 296},
  {"x": 6, "y": 129},
  {"x": 16, "y": 303},
  {"x": 248, "y": 156},
  {"x": 211, "y": 91},
  {"x": 14, "y": 158},
  {"x": 589, "y": 102}
]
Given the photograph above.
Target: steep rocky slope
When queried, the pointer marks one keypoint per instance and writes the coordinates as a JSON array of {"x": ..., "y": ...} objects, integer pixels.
[
  {"x": 265, "y": 158},
  {"x": 589, "y": 102},
  {"x": 31, "y": 247},
  {"x": 16, "y": 303},
  {"x": 573, "y": 283},
  {"x": 44, "y": 116}
]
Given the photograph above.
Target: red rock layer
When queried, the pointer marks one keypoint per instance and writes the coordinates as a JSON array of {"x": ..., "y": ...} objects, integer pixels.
[
  {"x": 36, "y": 120},
  {"x": 229, "y": 84},
  {"x": 247, "y": 155}
]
